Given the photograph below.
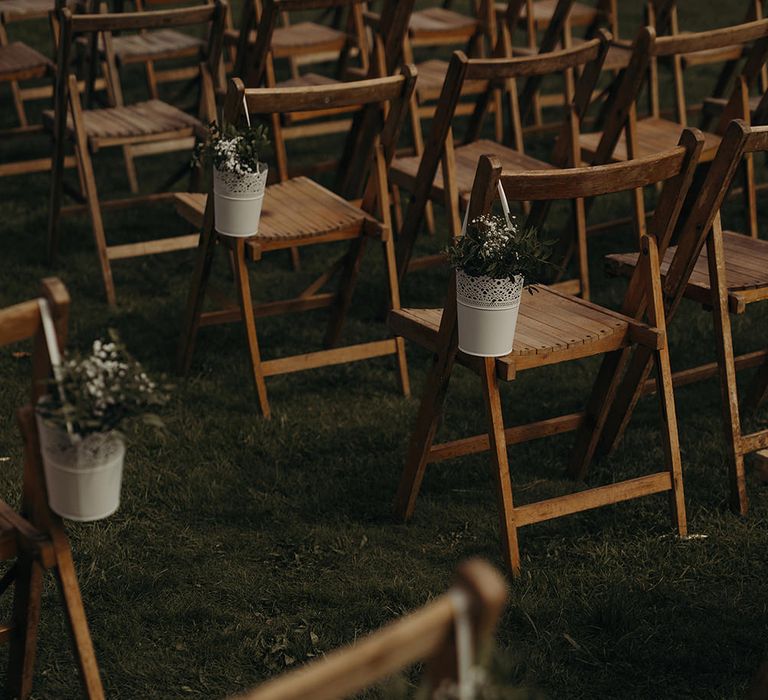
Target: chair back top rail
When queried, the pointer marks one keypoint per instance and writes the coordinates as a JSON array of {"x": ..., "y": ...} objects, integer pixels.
[
  {"x": 425, "y": 635},
  {"x": 593, "y": 181},
  {"x": 267, "y": 100},
  {"x": 711, "y": 39},
  {"x": 523, "y": 66},
  {"x": 149, "y": 19}
]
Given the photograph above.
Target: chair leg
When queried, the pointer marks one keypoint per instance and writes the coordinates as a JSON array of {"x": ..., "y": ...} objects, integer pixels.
[
  {"x": 26, "y": 616},
  {"x": 149, "y": 69},
  {"x": 427, "y": 421},
  {"x": 97, "y": 223},
  {"x": 394, "y": 303},
  {"x": 750, "y": 195},
  {"x": 18, "y": 103},
  {"x": 728, "y": 388},
  {"x": 130, "y": 169},
  {"x": 500, "y": 460},
  {"x": 347, "y": 280},
  {"x": 203, "y": 265},
  {"x": 54, "y": 203},
  {"x": 246, "y": 305},
  {"x": 664, "y": 389},
  {"x": 758, "y": 389},
  {"x": 75, "y": 612}
]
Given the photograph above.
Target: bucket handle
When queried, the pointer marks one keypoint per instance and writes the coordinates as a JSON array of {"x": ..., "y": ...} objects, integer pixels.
[
  {"x": 49, "y": 331},
  {"x": 504, "y": 207}
]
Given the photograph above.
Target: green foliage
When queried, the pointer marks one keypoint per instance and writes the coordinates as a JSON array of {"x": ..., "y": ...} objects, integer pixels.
[
  {"x": 233, "y": 149},
  {"x": 490, "y": 247},
  {"x": 98, "y": 392}
]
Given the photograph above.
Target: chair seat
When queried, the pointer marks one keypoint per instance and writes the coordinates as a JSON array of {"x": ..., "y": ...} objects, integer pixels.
[
  {"x": 653, "y": 136},
  {"x": 297, "y": 39},
  {"x": 543, "y": 11},
  {"x": 551, "y": 327},
  {"x": 431, "y": 76},
  {"x": 720, "y": 55},
  {"x": 295, "y": 212},
  {"x": 439, "y": 22},
  {"x": 11, "y": 10},
  {"x": 746, "y": 270},
  {"x": 403, "y": 171},
  {"x": 21, "y": 62},
  {"x": 136, "y": 122},
  {"x": 308, "y": 80},
  {"x": 161, "y": 44},
  {"x": 715, "y": 105}
]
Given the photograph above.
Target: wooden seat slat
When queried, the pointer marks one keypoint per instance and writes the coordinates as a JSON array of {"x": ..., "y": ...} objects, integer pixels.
[
  {"x": 404, "y": 170},
  {"x": 19, "y": 62},
  {"x": 432, "y": 74},
  {"x": 163, "y": 43},
  {"x": 537, "y": 332},
  {"x": 439, "y": 20},
  {"x": 745, "y": 267},
  {"x": 140, "y": 119},
  {"x": 654, "y": 135}
]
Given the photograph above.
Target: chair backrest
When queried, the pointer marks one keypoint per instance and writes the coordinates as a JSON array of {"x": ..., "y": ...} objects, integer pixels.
[
  {"x": 372, "y": 140},
  {"x": 24, "y": 322},
  {"x": 707, "y": 199},
  {"x": 212, "y": 17},
  {"x": 588, "y": 58},
  {"x": 255, "y": 61},
  {"x": 429, "y": 635},
  {"x": 674, "y": 168}
]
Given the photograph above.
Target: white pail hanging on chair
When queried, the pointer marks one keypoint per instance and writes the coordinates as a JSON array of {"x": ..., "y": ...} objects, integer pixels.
[
  {"x": 83, "y": 476},
  {"x": 487, "y": 311},
  {"x": 487, "y": 308},
  {"x": 238, "y": 200}
]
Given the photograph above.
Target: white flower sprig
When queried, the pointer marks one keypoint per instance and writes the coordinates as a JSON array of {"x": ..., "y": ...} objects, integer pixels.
[
  {"x": 232, "y": 149},
  {"x": 494, "y": 248},
  {"x": 97, "y": 392}
]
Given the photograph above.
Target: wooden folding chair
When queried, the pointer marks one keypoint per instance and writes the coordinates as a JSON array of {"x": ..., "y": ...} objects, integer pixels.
[
  {"x": 34, "y": 537},
  {"x": 258, "y": 67},
  {"x": 18, "y": 61},
  {"x": 140, "y": 128},
  {"x": 445, "y": 173},
  {"x": 298, "y": 212},
  {"x": 727, "y": 276},
  {"x": 158, "y": 45},
  {"x": 443, "y": 635},
  {"x": 552, "y": 328},
  {"x": 654, "y": 133},
  {"x": 21, "y": 62}
]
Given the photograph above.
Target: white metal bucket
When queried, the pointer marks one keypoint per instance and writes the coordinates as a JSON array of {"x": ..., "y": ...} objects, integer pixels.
[
  {"x": 237, "y": 202},
  {"x": 83, "y": 477},
  {"x": 487, "y": 311}
]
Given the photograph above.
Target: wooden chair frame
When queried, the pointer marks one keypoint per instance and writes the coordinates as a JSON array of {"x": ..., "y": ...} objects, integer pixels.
[
  {"x": 606, "y": 13},
  {"x": 623, "y": 105},
  {"x": 702, "y": 228},
  {"x": 376, "y": 141},
  {"x": 426, "y": 635},
  {"x": 676, "y": 169},
  {"x": 439, "y": 152},
  {"x": 158, "y": 76},
  {"x": 41, "y": 542},
  {"x": 20, "y": 94},
  {"x": 68, "y": 106}
]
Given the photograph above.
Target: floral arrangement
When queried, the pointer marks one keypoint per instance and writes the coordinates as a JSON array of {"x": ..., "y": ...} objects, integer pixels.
[
  {"x": 493, "y": 248},
  {"x": 98, "y": 392},
  {"x": 232, "y": 149}
]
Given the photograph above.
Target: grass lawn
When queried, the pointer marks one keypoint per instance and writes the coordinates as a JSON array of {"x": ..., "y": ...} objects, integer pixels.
[{"x": 244, "y": 547}]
